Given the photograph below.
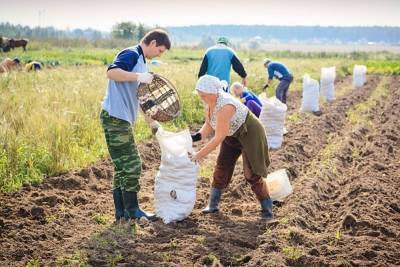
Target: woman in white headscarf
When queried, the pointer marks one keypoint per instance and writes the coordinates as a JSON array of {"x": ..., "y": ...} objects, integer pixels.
[{"x": 238, "y": 132}]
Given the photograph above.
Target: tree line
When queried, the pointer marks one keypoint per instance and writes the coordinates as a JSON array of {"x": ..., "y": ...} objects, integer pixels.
[{"x": 196, "y": 34}]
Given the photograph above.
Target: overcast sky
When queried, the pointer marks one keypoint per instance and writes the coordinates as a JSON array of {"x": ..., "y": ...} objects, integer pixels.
[{"x": 102, "y": 14}]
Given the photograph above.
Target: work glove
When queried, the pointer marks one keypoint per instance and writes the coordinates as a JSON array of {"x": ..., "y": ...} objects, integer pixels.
[
  {"x": 144, "y": 77},
  {"x": 154, "y": 125},
  {"x": 196, "y": 137}
]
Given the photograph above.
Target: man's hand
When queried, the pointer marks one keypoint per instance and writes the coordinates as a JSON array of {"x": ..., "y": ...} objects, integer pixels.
[
  {"x": 244, "y": 82},
  {"x": 144, "y": 77},
  {"x": 154, "y": 125}
]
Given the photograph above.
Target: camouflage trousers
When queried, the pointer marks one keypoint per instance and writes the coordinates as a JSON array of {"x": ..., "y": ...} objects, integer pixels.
[{"x": 123, "y": 151}]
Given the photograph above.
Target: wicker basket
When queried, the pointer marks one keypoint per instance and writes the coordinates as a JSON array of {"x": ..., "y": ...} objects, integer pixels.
[{"x": 159, "y": 99}]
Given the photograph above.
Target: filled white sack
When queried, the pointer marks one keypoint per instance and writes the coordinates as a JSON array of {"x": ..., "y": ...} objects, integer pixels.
[
  {"x": 272, "y": 116},
  {"x": 327, "y": 82},
  {"x": 359, "y": 75},
  {"x": 310, "y": 99},
  {"x": 175, "y": 182}
]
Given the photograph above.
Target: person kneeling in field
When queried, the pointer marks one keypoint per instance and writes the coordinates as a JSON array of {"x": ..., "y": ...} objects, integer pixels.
[
  {"x": 238, "y": 132},
  {"x": 247, "y": 97},
  {"x": 119, "y": 112},
  {"x": 9, "y": 64},
  {"x": 33, "y": 66}
]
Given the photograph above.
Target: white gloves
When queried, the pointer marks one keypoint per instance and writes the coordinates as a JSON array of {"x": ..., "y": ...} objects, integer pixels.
[
  {"x": 155, "y": 125},
  {"x": 144, "y": 77}
]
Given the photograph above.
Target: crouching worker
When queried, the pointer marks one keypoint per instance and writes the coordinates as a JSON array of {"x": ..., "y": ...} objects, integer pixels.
[
  {"x": 33, "y": 66},
  {"x": 247, "y": 97},
  {"x": 282, "y": 73},
  {"x": 119, "y": 113},
  {"x": 238, "y": 132},
  {"x": 9, "y": 64}
]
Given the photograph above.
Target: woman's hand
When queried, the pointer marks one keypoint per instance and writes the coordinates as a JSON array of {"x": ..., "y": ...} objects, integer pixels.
[
  {"x": 195, "y": 157},
  {"x": 222, "y": 128}
]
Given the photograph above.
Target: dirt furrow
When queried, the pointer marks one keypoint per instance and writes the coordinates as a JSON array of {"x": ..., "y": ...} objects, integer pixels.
[
  {"x": 65, "y": 214},
  {"x": 346, "y": 212}
]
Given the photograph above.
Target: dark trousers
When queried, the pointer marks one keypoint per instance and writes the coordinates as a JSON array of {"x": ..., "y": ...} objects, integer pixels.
[
  {"x": 283, "y": 88},
  {"x": 230, "y": 151}
]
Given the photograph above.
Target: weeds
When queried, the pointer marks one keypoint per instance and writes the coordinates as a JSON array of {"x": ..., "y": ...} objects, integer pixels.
[
  {"x": 101, "y": 218},
  {"x": 78, "y": 259},
  {"x": 292, "y": 253},
  {"x": 200, "y": 239}
]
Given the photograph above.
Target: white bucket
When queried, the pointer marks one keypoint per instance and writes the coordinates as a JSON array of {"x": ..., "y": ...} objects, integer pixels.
[{"x": 278, "y": 185}]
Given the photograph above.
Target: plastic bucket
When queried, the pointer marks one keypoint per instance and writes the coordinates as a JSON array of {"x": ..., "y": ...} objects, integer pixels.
[{"x": 279, "y": 185}]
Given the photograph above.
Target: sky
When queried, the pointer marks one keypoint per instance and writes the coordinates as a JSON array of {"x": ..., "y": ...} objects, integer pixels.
[{"x": 101, "y": 15}]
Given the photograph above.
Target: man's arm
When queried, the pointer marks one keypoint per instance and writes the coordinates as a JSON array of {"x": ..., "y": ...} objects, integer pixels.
[
  {"x": 121, "y": 75},
  {"x": 238, "y": 68},
  {"x": 120, "y": 69},
  {"x": 270, "y": 72},
  {"x": 203, "y": 67}
]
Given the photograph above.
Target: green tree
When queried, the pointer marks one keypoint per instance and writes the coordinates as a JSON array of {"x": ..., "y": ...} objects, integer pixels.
[
  {"x": 124, "y": 30},
  {"x": 141, "y": 31}
]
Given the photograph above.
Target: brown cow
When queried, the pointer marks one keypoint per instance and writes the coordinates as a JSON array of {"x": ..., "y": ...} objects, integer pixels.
[{"x": 13, "y": 43}]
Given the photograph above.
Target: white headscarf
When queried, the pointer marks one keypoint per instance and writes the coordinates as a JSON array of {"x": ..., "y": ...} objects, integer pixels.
[{"x": 210, "y": 85}]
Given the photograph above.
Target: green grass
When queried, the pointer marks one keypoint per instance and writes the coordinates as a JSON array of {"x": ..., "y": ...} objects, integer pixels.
[
  {"x": 78, "y": 259},
  {"x": 49, "y": 119},
  {"x": 292, "y": 253},
  {"x": 101, "y": 218}
]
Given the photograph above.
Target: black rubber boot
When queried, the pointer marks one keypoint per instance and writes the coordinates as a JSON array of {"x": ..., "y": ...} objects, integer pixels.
[
  {"x": 132, "y": 210},
  {"x": 266, "y": 206},
  {"x": 215, "y": 197},
  {"x": 118, "y": 203}
]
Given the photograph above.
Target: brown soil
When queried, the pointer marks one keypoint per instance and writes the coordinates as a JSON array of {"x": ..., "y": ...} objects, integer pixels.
[{"x": 342, "y": 212}]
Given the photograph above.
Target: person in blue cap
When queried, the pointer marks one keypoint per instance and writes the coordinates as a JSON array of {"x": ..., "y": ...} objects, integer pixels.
[
  {"x": 218, "y": 61},
  {"x": 282, "y": 73}
]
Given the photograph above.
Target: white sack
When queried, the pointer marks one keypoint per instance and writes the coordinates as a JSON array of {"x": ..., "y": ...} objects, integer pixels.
[
  {"x": 359, "y": 75},
  {"x": 272, "y": 116},
  {"x": 310, "y": 100},
  {"x": 175, "y": 183},
  {"x": 328, "y": 76}
]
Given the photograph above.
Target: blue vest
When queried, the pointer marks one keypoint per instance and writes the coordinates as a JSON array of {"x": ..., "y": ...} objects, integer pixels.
[
  {"x": 121, "y": 99},
  {"x": 219, "y": 58}
]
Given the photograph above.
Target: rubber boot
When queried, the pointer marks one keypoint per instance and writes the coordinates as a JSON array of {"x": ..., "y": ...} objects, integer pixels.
[
  {"x": 132, "y": 210},
  {"x": 118, "y": 203},
  {"x": 266, "y": 206},
  {"x": 215, "y": 197}
]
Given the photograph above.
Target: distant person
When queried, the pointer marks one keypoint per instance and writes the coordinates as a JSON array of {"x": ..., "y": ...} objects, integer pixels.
[
  {"x": 247, "y": 97},
  {"x": 282, "y": 73},
  {"x": 9, "y": 64},
  {"x": 33, "y": 66},
  {"x": 218, "y": 61},
  {"x": 119, "y": 113}
]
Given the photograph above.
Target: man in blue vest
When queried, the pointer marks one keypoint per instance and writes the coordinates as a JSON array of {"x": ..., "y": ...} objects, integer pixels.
[
  {"x": 119, "y": 112},
  {"x": 282, "y": 73},
  {"x": 218, "y": 61}
]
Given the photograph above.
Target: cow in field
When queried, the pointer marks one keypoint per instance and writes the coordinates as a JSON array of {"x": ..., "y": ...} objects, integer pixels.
[{"x": 14, "y": 43}]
